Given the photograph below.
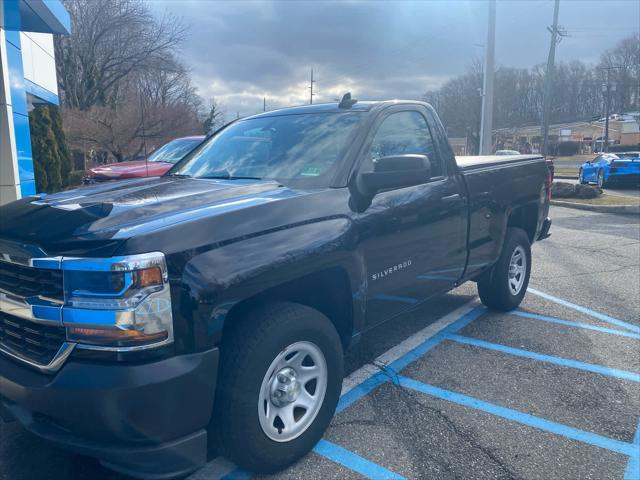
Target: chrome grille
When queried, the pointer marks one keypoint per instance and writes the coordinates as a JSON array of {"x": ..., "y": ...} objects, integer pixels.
[
  {"x": 26, "y": 281},
  {"x": 34, "y": 341}
]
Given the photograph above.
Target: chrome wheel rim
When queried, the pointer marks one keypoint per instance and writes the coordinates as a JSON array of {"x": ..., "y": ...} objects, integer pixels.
[
  {"x": 600, "y": 179},
  {"x": 517, "y": 270},
  {"x": 292, "y": 391}
]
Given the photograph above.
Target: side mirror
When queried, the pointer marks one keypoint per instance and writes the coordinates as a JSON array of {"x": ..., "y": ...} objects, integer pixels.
[{"x": 394, "y": 171}]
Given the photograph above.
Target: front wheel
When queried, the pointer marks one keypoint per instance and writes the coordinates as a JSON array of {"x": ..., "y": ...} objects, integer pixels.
[
  {"x": 281, "y": 375},
  {"x": 581, "y": 179},
  {"x": 505, "y": 286}
]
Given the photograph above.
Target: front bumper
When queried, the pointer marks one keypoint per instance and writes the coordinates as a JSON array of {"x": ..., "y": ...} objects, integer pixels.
[{"x": 145, "y": 420}]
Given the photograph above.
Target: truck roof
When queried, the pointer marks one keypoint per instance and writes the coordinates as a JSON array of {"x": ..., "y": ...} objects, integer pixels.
[{"x": 360, "y": 106}]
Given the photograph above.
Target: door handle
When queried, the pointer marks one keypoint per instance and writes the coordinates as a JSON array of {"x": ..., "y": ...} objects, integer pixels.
[{"x": 451, "y": 198}]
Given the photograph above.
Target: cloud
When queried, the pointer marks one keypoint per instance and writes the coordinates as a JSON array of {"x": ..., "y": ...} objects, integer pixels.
[{"x": 241, "y": 52}]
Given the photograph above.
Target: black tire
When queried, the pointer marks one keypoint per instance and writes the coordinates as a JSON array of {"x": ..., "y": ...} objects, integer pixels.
[
  {"x": 248, "y": 350},
  {"x": 493, "y": 288}
]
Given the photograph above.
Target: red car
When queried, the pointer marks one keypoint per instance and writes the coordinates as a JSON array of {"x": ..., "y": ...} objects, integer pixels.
[{"x": 157, "y": 164}]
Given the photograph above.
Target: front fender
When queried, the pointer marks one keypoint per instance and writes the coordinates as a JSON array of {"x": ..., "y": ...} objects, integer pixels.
[{"x": 216, "y": 280}]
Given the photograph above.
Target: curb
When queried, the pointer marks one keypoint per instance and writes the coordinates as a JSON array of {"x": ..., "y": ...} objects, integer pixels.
[
  {"x": 566, "y": 177},
  {"x": 623, "y": 209}
]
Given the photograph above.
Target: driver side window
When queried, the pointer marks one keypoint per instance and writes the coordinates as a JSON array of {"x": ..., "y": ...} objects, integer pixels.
[{"x": 404, "y": 133}]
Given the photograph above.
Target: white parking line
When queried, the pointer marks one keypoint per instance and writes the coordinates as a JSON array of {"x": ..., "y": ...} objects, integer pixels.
[{"x": 394, "y": 353}]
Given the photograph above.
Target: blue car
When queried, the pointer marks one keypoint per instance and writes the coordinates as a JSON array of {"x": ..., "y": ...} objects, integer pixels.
[{"x": 607, "y": 168}]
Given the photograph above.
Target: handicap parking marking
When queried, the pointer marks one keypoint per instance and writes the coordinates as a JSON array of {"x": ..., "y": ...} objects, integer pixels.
[
  {"x": 386, "y": 367},
  {"x": 383, "y": 365},
  {"x": 570, "y": 323},
  {"x": 586, "y": 311},
  {"x": 354, "y": 462},
  {"x": 629, "y": 449},
  {"x": 563, "y": 362}
]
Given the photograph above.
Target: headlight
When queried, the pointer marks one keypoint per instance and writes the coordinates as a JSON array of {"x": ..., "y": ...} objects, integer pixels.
[{"x": 118, "y": 303}]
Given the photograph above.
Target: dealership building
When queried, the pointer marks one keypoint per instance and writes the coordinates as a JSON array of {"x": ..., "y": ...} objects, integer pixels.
[{"x": 27, "y": 78}]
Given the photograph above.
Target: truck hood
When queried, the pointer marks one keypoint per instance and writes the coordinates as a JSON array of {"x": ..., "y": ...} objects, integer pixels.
[
  {"x": 136, "y": 168},
  {"x": 108, "y": 213}
]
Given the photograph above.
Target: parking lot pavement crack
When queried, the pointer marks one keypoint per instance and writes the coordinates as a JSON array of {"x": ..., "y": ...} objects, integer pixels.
[{"x": 465, "y": 436}]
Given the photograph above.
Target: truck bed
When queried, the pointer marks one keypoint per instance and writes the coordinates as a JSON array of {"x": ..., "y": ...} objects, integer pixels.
[{"x": 481, "y": 161}]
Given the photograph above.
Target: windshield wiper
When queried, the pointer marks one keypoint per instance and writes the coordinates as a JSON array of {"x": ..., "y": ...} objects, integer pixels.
[
  {"x": 225, "y": 175},
  {"x": 177, "y": 175}
]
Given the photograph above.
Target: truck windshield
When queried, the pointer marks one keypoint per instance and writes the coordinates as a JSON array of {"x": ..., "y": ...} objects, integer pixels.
[{"x": 304, "y": 148}]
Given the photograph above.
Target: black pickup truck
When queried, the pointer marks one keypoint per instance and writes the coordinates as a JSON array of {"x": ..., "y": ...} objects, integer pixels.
[{"x": 147, "y": 321}]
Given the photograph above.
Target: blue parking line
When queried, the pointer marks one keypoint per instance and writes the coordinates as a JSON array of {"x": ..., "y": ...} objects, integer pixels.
[
  {"x": 354, "y": 462},
  {"x": 521, "y": 417},
  {"x": 564, "y": 362},
  {"x": 588, "y": 311},
  {"x": 237, "y": 474},
  {"x": 396, "y": 298},
  {"x": 633, "y": 467},
  {"x": 361, "y": 390},
  {"x": 373, "y": 382},
  {"x": 427, "y": 345},
  {"x": 595, "y": 328}
]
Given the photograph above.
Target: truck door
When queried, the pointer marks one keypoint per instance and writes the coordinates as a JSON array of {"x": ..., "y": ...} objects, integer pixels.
[{"x": 413, "y": 238}]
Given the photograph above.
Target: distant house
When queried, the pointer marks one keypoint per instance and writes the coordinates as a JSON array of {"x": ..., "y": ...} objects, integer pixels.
[{"x": 624, "y": 129}]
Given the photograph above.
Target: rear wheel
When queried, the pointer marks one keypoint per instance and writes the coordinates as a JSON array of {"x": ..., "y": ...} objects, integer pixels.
[
  {"x": 281, "y": 375},
  {"x": 601, "y": 182},
  {"x": 504, "y": 287}
]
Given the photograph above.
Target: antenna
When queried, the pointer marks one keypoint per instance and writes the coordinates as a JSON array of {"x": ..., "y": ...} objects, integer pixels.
[
  {"x": 144, "y": 136},
  {"x": 347, "y": 101}
]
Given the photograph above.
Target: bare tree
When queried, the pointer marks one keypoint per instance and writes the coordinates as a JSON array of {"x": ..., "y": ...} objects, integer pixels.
[
  {"x": 624, "y": 61},
  {"x": 123, "y": 89},
  {"x": 110, "y": 41},
  {"x": 577, "y": 92},
  {"x": 215, "y": 117},
  {"x": 125, "y": 130}
]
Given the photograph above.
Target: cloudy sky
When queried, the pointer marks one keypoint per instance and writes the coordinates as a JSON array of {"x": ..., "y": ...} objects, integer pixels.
[{"x": 242, "y": 51}]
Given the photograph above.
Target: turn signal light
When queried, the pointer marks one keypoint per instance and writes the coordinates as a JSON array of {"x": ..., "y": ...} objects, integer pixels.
[
  {"x": 148, "y": 277},
  {"x": 113, "y": 337}
]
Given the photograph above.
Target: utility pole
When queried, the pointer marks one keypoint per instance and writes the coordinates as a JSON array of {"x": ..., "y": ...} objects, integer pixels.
[
  {"x": 311, "y": 88},
  {"x": 264, "y": 104},
  {"x": 486, "y": 123},
  {"x": 556, "y": 36},
  {"x": 607, "y": 88}
]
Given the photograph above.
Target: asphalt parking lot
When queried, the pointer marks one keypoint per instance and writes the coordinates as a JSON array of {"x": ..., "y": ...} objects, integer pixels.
[{"x": 454, "y": 391}]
